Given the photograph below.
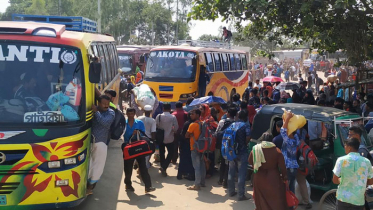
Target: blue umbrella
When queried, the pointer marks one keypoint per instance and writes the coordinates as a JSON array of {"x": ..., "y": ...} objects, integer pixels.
[{"x": 207, "y": 100}]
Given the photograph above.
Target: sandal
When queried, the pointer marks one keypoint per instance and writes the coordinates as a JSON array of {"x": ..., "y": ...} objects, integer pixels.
[{"x": 194, "y": 188}]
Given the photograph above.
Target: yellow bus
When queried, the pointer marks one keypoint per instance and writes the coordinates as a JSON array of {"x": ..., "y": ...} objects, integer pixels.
[
  {"x": 47, "y": 90},
  {"x": 173, "y": 72}
]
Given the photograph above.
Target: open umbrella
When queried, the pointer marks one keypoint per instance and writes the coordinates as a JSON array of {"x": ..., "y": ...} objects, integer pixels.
[
  {"x": 288, "y": 86},
  {"x": 207, "y": 100},
  {"x": 332, "y": 78},
  {"x": 272, "y": 79}
]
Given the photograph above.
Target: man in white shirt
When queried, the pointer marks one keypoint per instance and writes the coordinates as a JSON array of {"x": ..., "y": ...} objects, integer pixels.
[
  {"x": 150, "y": 127},
  {"x": 168, "y": 123}
]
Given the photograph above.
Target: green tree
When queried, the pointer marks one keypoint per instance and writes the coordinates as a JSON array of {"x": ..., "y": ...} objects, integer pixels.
[
  {"x": 37, "y": 8},
  {"x": 329, "y": 24},
  {"x": 208, "y": 37}
]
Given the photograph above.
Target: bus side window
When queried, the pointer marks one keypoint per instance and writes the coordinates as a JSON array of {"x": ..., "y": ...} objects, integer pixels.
[
  {"x": 237, "y": 61},
  {"x": 115, "y": 58},
  {"x": 210, "y": 63},
  {"x": 103, "y": 65},
  {"x": 232, "y": 63},
  {"x": 112, "y": 60},
  {"x": 217, "y": 62},
  {"x": 108, "y": 66},
  {"x": 225, "y": 62},
  {"x": 244, "y": 61}
]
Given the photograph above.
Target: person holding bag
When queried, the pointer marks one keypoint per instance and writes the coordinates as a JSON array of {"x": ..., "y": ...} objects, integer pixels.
[{"x": 270, "y": 175}]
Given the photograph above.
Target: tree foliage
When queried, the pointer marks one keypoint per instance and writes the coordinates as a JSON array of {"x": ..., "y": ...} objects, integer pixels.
[
  {"x": 129, "y": 21},
  {"x": 329, "y": 25},
  {"x": 208, "y": 37}
]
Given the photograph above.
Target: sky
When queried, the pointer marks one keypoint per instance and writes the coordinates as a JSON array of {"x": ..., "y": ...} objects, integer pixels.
[
  {"x": 3, "y": 5},
  {"x": 198, "y": 28}
]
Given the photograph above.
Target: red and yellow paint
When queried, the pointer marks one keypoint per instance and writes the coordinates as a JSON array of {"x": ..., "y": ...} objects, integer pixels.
[{"x": 39, "y": 187}]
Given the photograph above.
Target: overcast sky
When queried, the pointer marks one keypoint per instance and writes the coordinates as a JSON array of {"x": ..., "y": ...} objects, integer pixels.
[{"x": 198, "y": 27}]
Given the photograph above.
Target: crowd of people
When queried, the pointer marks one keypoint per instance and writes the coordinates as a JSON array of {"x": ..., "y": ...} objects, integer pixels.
[{"x": 274, "y": 160}]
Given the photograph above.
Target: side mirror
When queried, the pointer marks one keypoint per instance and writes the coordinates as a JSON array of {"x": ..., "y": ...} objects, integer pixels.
[
  {"x": 95, "y": 72},
  {"x": 142, "y": 58}
]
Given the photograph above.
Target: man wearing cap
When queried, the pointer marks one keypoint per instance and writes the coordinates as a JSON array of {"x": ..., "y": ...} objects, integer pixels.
[{"x": 150, "y": 127}]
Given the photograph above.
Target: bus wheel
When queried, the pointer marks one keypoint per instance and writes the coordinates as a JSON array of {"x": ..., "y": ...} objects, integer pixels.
[
  {"x": 232, "y": 93},
  {"x": 328, "y": 200}
]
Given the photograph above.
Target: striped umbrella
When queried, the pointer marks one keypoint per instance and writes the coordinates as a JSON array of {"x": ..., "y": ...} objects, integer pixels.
[{"x": 272, "y": 79}]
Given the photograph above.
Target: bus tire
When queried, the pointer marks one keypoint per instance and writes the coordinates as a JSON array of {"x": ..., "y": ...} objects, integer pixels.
[{"x": 328, "y": 200}]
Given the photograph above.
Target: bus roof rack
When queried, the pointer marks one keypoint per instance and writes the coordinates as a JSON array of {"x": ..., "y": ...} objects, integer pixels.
[
  {"x": 72, "y": 23},
  {"x": 199, "y": 43}
]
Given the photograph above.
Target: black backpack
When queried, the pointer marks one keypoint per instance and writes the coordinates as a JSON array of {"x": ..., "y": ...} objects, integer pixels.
[
  {"x": 229, "y": 34},
  {"x": 118, "y": 125},
  {"x": 220, "y": 133}
]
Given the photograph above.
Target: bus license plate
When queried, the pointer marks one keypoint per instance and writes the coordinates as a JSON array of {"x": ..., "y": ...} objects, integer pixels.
[{"x": 2, "y": 199}]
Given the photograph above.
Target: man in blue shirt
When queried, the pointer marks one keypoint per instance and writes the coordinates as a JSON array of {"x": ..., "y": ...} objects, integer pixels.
[
  {"x": 133, "y": 127},
  {"x": 102, "y": 119},
  {"x": 278, "y": 139},
  {"x": 289, "y": 150},
  {"x": 242, "y": 139}
]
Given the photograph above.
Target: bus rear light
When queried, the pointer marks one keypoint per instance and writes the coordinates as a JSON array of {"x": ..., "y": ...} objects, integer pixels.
[
  {"x": 70, "y": 161},
  {"x": 54, "y": 164},
  {"x": 63, "y": 182}
]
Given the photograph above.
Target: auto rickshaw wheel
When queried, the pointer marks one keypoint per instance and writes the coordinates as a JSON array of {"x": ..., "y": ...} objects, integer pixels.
[{"x": 328, "y": 200}]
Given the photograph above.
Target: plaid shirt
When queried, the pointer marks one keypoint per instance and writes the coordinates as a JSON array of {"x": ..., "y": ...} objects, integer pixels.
[{"x": 289, "y": 149}]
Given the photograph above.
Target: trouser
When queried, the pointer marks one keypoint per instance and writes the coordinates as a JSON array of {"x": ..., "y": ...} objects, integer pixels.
[
  {"x": 162, "y": 150},
  {"x": 224, "y": 168},
  {"x": 240, "y": 163},
  {"x": 128, "y": 168},
  {"x": 97, "y": 162},
  {"x": 292, "y": 174},
  {"x": 199, "y": 168},
  {"x": 176, "y": 148},
  {"x": 147, "y": 161},
  {"x": 347, "y": 206},
  {"x": 201, "y": 90},
  {"x": 301, "y": 179}
]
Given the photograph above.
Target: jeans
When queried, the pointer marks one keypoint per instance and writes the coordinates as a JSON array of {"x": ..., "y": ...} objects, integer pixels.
[
  {"x": 199, "y": 168},
  {"x": 128, "y": 168},
  {"x": 223, "y": 172},
  {"x": 292, "y": 174},
  {"x": 176, "y": 147},
  {"x": 240, "y": 163},
  {"x": 170, "y": 152}
]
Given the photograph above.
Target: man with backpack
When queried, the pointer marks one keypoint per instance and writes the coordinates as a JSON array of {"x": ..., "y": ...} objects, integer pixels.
[
  {"x": 181, "y": 117},
  {"x": 150, "y": 127},
  {"x": 227, "y": 35},
  {"x": 234, "y": 149},
  {"x": 193, "y": 133},
  {"x": 222, "y": 126}
]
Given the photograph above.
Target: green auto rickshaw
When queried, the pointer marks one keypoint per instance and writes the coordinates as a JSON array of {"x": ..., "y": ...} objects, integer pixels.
[{"x": 337, "y": 123}]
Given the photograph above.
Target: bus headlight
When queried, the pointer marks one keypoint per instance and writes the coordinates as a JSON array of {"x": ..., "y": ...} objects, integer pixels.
[
  {"x": 70, "y": 161},
  {"x": 81, "y": 157},
  {"x": 54, "y": 164},
  {"x": 184, "y": 96},
  {"x": 63, "y": 182}
]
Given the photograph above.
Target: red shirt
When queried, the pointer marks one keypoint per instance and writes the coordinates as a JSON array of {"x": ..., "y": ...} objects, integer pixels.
[{"x": 181, "y": 117}]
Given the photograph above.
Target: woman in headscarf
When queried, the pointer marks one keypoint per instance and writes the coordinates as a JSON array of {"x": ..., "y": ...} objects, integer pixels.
[
  {"x": 212, "y": 125},
  {"x": 185, "y": 169},
  {"x": 252, "y": 113},
  {"x": 133, "y": 80},
  {"x": 309, "y": 98},
  {"x": 270, "y": 175}
]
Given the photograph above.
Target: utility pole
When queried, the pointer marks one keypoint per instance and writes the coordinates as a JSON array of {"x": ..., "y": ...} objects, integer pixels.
[
  {"x": 59, "y": 7},
  {"x": 177, "y": 22},
  {"x": 99, "y": 15}
]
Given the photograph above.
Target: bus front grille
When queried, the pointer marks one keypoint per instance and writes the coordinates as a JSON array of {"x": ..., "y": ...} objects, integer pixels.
[{"x": 164, "y": 95}]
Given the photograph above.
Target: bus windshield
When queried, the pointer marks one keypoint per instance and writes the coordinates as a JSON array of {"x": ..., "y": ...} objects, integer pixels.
[
  {"x": 125, "y": 62},
  {"x": 170, "y": 66},
  {"x": 40, "y": 83}
]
